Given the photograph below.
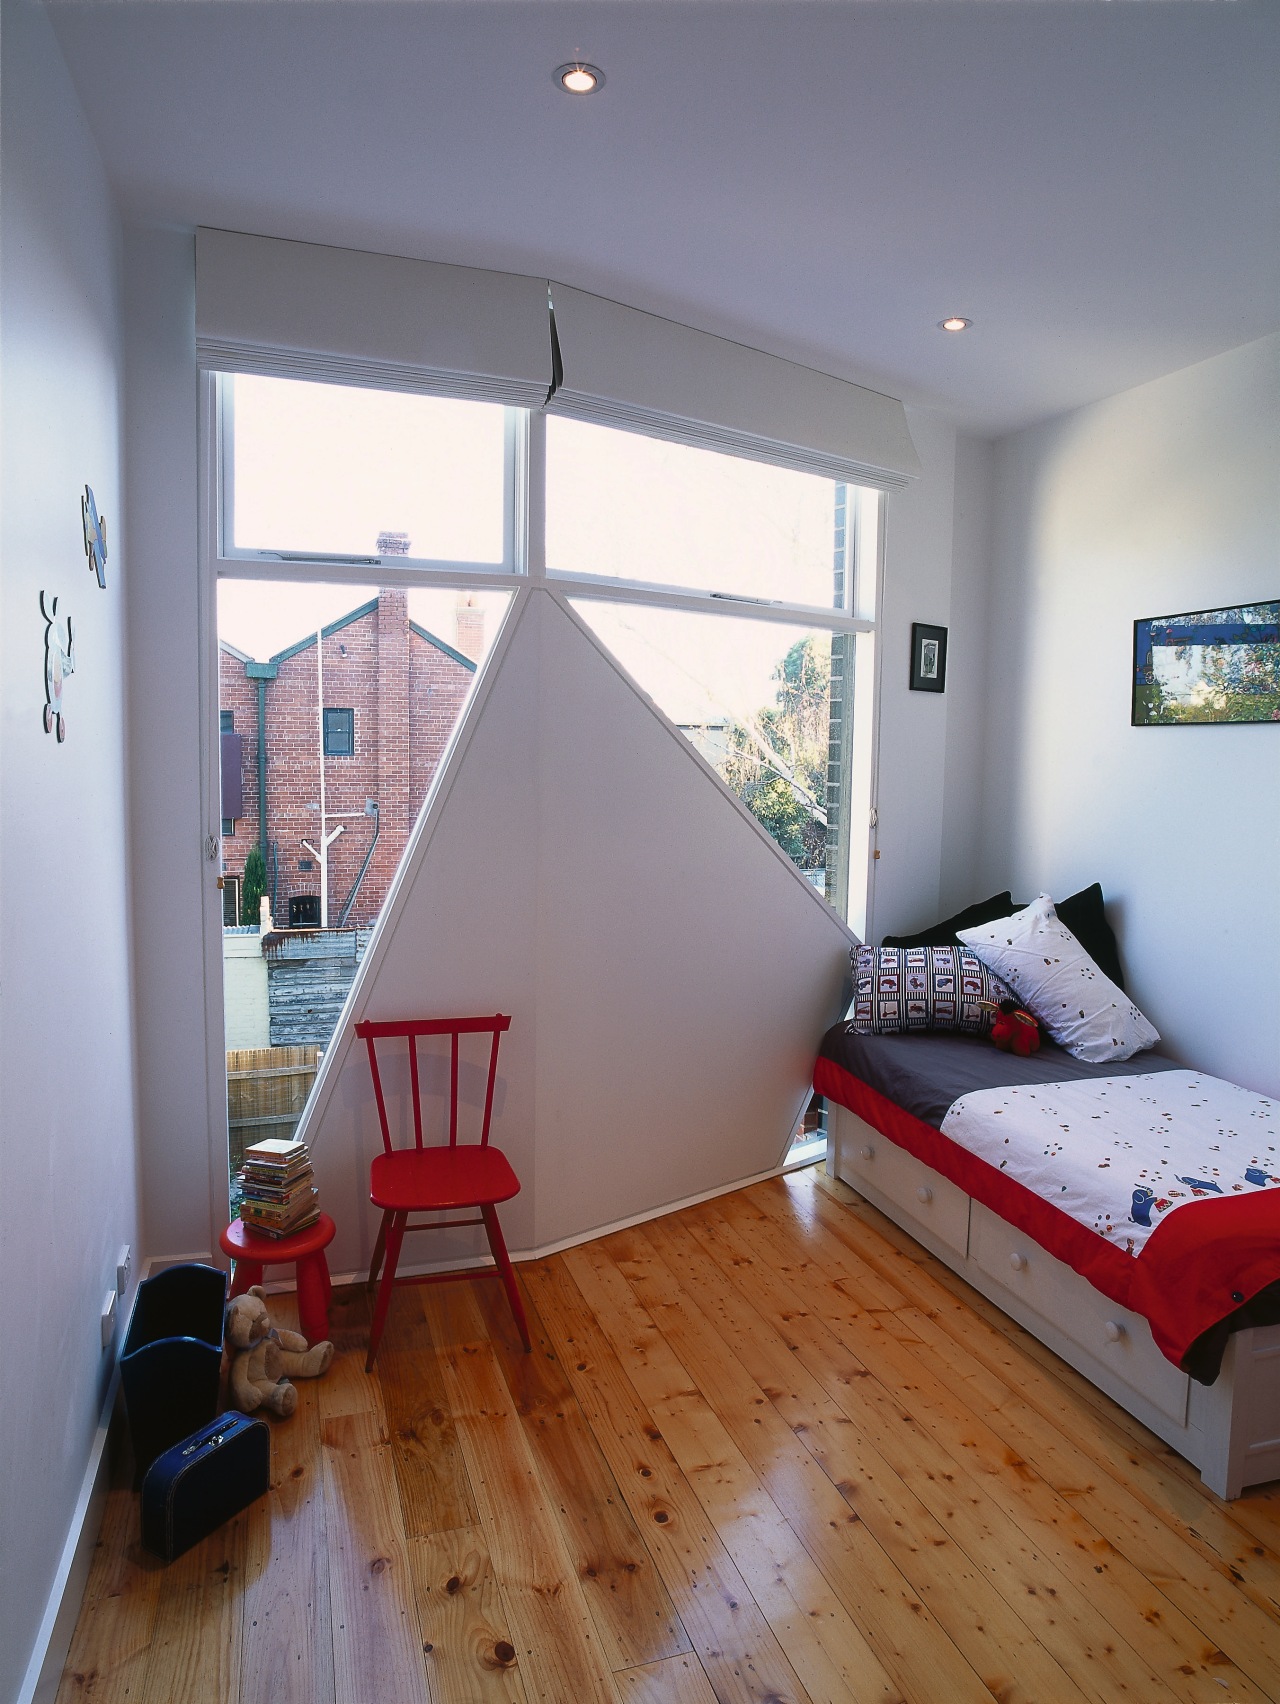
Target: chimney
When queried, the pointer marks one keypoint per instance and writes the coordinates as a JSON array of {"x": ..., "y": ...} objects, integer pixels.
[{"x": 469, "y": 626}]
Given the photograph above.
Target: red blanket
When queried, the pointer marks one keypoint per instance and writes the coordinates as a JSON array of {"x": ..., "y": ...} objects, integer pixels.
[{"x": 1196, "y": 1269}]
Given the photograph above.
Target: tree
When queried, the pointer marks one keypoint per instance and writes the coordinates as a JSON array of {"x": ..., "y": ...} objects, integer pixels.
[
  {"x": 255, "y": 885},
  {"x": 778, "y": 765}
]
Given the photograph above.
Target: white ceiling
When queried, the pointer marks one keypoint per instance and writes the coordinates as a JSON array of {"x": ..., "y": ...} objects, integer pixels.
[{"x": 1096, "y": 185}]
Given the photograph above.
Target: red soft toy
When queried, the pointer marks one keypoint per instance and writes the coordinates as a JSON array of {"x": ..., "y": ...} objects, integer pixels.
[{"x": 1014, "y": 1030}]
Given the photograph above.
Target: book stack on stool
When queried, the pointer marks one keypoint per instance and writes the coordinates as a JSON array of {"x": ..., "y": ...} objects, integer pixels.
[{"x": 279, "y": 1196}]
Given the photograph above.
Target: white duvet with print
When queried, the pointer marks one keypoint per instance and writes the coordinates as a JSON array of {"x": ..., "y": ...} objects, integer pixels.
[{"x": 1119, "y": 1154}]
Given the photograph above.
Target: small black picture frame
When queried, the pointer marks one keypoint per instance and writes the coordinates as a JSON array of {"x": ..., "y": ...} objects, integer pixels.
[{"x": 928, "y": 658}]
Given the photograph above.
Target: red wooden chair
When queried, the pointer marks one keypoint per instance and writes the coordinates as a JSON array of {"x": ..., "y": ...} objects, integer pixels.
[{"x": 435, "y": 1179}]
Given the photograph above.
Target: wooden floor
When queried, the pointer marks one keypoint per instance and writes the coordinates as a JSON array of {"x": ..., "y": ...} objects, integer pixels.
[{"x": 765, "y": 1449}]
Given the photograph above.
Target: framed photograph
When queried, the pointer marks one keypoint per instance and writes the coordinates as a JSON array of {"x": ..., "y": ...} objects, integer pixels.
[
  {"x": 1207, "y": 665},
  {"x": 928, "y": 658}
]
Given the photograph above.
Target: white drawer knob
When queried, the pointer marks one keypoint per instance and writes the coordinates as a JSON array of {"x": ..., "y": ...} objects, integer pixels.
[
  {"x": 1114, "y": 1331},
  {"x": 1018, "y": 1261},
  {"x": 868, "y": 1153},
  {"x": 924, "y": 1194}
]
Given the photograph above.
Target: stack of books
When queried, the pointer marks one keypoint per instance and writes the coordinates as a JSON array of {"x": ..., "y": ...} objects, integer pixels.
[{"x": 278, "y": 1195}]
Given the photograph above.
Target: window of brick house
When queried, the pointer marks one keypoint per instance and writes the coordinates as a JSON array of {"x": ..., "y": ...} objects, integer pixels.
[{"x": 339, "y": 733}]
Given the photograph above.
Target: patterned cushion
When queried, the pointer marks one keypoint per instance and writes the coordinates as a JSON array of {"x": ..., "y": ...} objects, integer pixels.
[{"x": 921, "y": 988}]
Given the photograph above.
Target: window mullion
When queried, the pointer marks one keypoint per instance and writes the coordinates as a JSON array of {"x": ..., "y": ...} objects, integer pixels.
[
  {"x": 535, "y": 506},
  {"x": 609, "y": 590}
]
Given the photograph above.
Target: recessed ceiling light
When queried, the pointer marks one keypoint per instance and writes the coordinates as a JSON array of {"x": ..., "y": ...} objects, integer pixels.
[
  {"x": 955, "y": 323},
  {"x": 579, "y": 78}
]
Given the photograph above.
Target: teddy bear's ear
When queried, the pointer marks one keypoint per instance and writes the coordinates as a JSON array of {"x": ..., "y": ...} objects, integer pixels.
[{"x": 258, "y": 1291}]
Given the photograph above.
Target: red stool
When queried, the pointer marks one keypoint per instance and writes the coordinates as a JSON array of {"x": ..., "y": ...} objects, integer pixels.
[{"x": 251, "y": 1251}]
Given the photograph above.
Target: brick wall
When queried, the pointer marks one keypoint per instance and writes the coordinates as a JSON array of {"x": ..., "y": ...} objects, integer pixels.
[{"x": 405, "y": 693}]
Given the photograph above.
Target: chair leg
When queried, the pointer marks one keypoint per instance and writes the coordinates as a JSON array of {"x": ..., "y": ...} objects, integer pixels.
[
  {"x": 313, "y": 1297},
  {"x": 395, "y": 1235},
  {"x": 245, "y": 1274},
  {"x": 499, "y": 1248},
  {"x": 379, "y": 1249}
]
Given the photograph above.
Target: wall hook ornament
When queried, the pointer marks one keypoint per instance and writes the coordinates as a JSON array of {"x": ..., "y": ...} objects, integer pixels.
[
  {"x": 95, "y": 535},
  {"x": 58, "y": 664}
]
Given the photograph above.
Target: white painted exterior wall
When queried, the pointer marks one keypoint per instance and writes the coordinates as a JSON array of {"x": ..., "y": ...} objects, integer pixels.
[{"x": 244, "y": 992}]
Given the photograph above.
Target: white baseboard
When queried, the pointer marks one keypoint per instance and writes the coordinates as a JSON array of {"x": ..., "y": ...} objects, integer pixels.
[
  {"x": 478, "y": 1262},
  {"x": 53, "y": 1641}
]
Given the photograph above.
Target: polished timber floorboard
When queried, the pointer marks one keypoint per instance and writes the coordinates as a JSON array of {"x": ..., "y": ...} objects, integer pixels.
[{"x": 765, "y": 1449}]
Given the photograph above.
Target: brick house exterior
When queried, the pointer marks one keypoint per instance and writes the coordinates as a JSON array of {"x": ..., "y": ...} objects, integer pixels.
[{"x": 404, "y": 688}]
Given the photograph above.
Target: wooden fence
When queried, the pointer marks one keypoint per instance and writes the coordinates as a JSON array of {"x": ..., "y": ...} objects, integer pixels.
[
  {"x": 267, "y": 1088},
  {"x": 308, "y": 975}
]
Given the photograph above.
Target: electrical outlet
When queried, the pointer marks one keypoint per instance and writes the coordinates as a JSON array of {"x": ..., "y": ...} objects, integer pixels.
[
  {"x": 109, "y": 1318},
  {"x": 124, "y": 1265}
]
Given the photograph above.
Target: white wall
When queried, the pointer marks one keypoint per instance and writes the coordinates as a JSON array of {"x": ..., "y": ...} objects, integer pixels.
[
  {"x": 967, "y": 677},
  {"x": 66, "y": 1036},
  {"x": 170, "y": 874},
  {"x": 930, "y": 743},
  {"x": 1163, "y": 499}
]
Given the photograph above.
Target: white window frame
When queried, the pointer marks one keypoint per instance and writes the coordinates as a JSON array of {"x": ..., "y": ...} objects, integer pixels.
[
  {"x": 522, "y": 569},
  {"x": 227, "y": 552}
]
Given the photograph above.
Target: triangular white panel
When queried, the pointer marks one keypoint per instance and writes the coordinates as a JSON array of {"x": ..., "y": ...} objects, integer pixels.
[{"x": 667, "y": 971}]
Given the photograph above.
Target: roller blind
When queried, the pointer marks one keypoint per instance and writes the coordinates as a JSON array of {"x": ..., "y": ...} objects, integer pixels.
[
  {"x": 620, "y": 367},
  {"x": 340, "y": 316}
]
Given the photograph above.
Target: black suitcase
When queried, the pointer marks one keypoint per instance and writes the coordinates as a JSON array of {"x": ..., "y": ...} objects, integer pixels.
[{"x": 191, "y": 1489}]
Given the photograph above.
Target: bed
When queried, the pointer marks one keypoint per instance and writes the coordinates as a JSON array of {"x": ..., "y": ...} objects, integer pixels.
[{"x": 1154, "y": 1275}]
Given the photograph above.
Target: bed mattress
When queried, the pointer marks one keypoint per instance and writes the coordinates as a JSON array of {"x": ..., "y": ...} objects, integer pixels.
[{"x": 1196, "y": 1273}]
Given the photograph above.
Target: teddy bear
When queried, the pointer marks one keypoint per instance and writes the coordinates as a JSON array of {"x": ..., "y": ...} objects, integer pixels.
[
  {"x": 1015, "y": 1030},
  {"x": 263, "y": 1358}
]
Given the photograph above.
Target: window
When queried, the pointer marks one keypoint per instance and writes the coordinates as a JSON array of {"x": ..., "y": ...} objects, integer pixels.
[
  {"x": 738, "y": 594},
  {"x": 339, "y": 733},
  {"x": 329, "y": 470},
  {"x": 331, "y": 838},
  {"x": 227, "y": 721},
  {"x": 646, "y": 510},
  {"x": 228, "y": 826},
  {"x": 756, "y": 699}
]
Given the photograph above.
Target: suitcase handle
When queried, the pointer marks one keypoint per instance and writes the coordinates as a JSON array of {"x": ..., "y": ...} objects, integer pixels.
[{"x": 211, "y": 1441}]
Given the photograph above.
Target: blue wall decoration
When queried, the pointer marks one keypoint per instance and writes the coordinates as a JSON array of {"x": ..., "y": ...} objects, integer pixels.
[
  {"x": 95, "y": 535},
  {"x": 58, "y": 664}
]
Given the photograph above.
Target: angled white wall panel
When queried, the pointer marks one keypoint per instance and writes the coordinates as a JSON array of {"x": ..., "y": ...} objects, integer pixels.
[
  {"x": 667, "y": 971},
  {"x": 456, "y": 936},
  {"x": 685, "y": 970}
]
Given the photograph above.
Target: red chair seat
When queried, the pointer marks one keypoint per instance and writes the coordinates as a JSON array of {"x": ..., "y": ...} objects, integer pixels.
[{"x": 422, "y": 1180}]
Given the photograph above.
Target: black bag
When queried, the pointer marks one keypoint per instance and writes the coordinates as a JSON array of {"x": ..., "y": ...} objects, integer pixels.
[
  {"x": 191, "y": 1489},
  {"x": 171, "y": 1359}
]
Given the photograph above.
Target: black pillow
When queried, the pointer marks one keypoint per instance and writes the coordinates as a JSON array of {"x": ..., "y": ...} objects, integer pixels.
[
  {"x": 1083, "y": 914},
  {"x": 985, "y": 911}
]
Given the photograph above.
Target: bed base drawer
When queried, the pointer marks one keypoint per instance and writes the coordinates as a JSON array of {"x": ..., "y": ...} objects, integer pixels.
[
  {"x": 929, "y": 1205},
  {"x": 1118, "y": 1341}
]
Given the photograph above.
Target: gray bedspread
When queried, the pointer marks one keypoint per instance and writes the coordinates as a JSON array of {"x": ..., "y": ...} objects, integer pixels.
[{"x": 925, "y": 1071}]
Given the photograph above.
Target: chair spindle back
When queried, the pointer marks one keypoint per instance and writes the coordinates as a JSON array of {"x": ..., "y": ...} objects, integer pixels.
[{"x": 410, "y": 1029}]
